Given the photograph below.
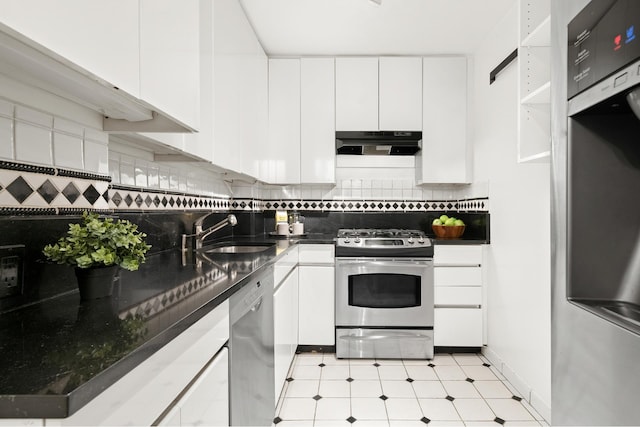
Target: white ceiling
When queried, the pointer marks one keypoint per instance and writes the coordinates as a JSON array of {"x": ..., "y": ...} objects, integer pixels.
[{"x": 362, "y": 27}]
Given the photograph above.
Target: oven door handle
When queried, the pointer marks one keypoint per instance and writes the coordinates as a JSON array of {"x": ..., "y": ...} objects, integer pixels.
[{"x": 381, "y": 336}]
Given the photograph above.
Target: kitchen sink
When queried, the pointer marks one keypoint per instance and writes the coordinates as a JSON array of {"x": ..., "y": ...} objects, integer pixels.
[{"x": 238, "y": 249}]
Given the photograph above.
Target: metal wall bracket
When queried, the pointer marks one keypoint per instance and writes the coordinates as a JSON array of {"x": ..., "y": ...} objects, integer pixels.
[{"x": 501, "y": 66}]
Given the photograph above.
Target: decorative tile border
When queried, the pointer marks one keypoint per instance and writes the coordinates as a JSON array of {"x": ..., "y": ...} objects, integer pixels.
[
  {"x": 42, "y": 190},
  {"x": 464, "y": 205},
  {"x": 148, "y": 200},
  {"x": 37, "y": 190}
]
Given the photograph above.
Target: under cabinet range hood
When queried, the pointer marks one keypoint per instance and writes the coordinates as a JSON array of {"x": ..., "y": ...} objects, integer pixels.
[{"x": 378, "y": 143}]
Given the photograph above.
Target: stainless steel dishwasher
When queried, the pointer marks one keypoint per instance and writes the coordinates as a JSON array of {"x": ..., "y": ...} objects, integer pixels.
[{"x": 251, "y": 365}]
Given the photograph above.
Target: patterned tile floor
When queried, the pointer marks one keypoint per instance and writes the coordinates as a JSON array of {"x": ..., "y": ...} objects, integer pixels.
[{"x": 450, "y": 390}]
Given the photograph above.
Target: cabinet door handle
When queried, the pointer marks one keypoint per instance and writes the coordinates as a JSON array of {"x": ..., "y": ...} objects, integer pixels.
[{"x": 456, "y": 306}]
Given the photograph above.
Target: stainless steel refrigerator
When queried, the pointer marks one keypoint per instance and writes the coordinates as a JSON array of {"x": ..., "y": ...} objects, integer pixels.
[{"x": 595, "y": 212}]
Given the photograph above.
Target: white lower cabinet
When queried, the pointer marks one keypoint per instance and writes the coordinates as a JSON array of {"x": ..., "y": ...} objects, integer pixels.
[
  {"x": 316, "y": 300},
  {"x": 458, "y": 296},
  {"x": 206, "y": 401},
  {"x": 183, "y": 383},
  {"x": 285, "y": 328},
  {"x": 458, "y": 327}
]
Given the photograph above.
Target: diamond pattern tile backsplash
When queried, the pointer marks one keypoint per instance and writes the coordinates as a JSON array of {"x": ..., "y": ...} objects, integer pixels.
[{"x": 27, "y": 189}]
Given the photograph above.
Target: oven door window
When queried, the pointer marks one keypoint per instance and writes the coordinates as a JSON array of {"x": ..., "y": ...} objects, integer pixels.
[{"x": 384, "y": 290}]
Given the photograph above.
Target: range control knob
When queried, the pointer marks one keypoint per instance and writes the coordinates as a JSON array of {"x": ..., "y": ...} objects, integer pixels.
[
  {"x": 410, "y": 240},
  {"x": 421, "y": 240},
  {"x": 346, "y": 239},
  {"x": 356, "y": 240}
]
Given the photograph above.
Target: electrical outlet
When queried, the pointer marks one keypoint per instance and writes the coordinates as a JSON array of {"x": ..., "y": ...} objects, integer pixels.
[{"x": 11, "y": 270}]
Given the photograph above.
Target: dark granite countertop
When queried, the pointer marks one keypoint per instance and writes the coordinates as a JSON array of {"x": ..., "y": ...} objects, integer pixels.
[
  {"x": 59, "y": 353},
  {"x": 459, "y": 241}
]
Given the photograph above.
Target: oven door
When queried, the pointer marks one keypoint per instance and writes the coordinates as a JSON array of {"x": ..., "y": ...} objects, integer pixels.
[{"x": 384, "y": 292}]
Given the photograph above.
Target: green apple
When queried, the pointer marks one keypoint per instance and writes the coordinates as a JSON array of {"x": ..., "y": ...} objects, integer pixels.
[
  {"x": 449, "y": 222},
  {"x": 459, "y": 222},
  {"x": 443, "y": 218},
  {"x": 437, "y": 221}
]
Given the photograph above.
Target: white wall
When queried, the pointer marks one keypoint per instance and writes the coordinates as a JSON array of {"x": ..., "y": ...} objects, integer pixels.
[{"x": 518, "y": 258}]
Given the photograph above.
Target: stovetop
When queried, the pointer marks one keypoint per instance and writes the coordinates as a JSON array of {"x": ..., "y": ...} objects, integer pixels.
[
  {"x": 379, "y": 233},
  {"x": 392, "y": 242}
]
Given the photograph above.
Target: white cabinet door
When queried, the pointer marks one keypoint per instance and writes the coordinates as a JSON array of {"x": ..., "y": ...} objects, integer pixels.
[
  {"x": 445, "y": 156},
  {"x": 457, "y": 327},
  {"x": 357, "y": 94},
  {"x": 457, "y": 276},
  {"x": 101, "y": 37},
  {"x": 316, "y": 303},
  {"x": 170, "y": 57},
  {"x": 457, "y": 255},
  {"x": 237, "y": 106},
  {"x": 254, "y": 109},
  {"x": 206, "y": 403},
  {"x": 317, "y": 121},
  {"x": 283, "y": 154},
  {"x": 285, "y": 332},
  {"x": 400, "y": 93}
]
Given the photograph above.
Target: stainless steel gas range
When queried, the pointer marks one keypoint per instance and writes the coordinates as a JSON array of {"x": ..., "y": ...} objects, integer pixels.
[{"x": 384, "y": 294}]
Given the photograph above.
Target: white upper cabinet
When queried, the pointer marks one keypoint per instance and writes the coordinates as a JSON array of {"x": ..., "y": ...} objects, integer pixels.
[
  {"x": 170, "y": 57},
  {"x": 239, "y": 90},
  {"x": 445, "y": 156},
  {"x": 125, "y": 59},
  {"x": 101, "y": 37},
  {"x": 400, "y": 93},
  {"x": 317, "y": 121},
  {"x": 357, "y": 94},
  {"x": 378, "y": 93},
  {"x": 282, "y": 160}
]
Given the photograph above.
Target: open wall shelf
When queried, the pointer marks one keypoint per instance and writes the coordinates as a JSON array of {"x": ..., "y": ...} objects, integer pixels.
[{"x": 534, "y": 75}]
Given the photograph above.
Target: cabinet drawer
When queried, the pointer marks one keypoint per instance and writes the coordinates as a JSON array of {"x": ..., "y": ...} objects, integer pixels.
[
  {"x": 457, "y": 255},
  {"x": 459, "y": 296},
  {"x": 316, "y": 254},
  {"x": 457, "y": 276},
  {"x": 284, "y": 265},
  {"x": 457, "y": 327}
]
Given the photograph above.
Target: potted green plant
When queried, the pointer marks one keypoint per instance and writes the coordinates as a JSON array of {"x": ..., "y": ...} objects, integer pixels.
[{"x": 97, "y": 249}]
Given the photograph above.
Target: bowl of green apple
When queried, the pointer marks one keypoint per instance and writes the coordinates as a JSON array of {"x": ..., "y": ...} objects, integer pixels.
[{"x": 446, "y": 227}]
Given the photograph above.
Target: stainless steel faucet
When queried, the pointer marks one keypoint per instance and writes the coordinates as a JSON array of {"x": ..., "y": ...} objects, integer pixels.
[{"x": 199, "y": 234}]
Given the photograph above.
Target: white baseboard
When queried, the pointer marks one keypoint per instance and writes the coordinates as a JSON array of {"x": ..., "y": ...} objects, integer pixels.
[{"x": 532, "y": 398}]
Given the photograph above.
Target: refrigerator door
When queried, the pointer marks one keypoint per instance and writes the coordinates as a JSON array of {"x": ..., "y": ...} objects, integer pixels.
[{"x": 595, "y": 177}]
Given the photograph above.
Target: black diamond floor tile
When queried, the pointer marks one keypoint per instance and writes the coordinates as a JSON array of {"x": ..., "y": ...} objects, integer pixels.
[
  {"x": 351, "y": 420},
  {"x": 470, "y": 380},
  {"x": 277, "y": 420},
  {"x": 317, "y": 397},
  {"x": 350, "y": 379},
  {"x": 450, "y": 398},
  {"x": 383, "y": 397},
  {"x": 425, "y": 420},
  {"x": 499, "y": 420}
]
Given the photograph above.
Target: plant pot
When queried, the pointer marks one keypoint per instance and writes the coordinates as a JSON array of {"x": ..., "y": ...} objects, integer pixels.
[{"x": 97, "y": 282}]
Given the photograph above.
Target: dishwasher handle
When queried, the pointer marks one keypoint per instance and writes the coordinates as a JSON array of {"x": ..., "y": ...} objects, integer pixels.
[{"x": 257, "y": 305}]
